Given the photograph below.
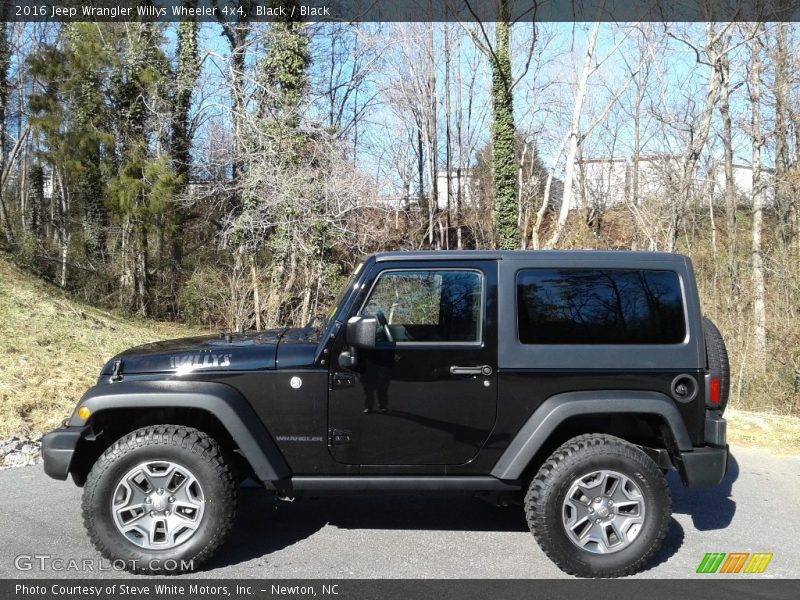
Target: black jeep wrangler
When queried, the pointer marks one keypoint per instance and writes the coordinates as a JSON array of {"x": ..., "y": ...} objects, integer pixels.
[{"x": 572, "y": 381}]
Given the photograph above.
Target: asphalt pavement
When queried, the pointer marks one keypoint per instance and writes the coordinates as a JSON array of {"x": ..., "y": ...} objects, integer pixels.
[{"x": 754, "y": 510}]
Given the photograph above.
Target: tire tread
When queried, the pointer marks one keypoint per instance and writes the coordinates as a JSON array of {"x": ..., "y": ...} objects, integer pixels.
[
  {"x": 188, "y": 438},
  {"x": 717, "y": 354},
  {"x": 540, "y": 491}
]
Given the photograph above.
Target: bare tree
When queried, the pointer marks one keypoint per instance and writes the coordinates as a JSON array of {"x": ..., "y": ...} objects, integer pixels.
[
  {"x": 697, "y": 132},
  {"x": 757, "y": 196},
  {"x": 785, "y": 201},
  {"x": 576, "y": 134}
]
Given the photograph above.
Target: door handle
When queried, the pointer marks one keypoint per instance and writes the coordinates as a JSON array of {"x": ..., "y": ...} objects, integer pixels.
[{"x": 479, "y": 370}]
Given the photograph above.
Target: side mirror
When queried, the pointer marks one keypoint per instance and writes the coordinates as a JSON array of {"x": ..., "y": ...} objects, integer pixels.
[{"x": 361, "y": 332}]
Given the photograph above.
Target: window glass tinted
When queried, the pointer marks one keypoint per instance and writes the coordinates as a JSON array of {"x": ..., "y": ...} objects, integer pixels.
[
  {"x": 427, "y": 305},
  {"x": 591, "y": 306}
]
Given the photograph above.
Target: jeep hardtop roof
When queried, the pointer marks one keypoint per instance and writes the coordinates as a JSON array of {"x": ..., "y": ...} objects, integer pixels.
[{"x": 623, "y": 256}]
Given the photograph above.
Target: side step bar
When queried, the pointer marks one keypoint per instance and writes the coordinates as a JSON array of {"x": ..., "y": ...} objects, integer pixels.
[{"x": 403, "y": 483}]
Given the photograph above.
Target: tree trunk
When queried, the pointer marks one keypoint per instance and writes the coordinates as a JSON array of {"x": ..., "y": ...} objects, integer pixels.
[
  {"x": 522, "y": 209},
  {"x": 730, "y": 183},
  {"x": 5, "y": 59},
  {"x": 783, "y": 198},
  {"x": 448, "y": 144},
  {"x": 431, "y": 140},
  {"x": 63, "y": 225},
  {"x": 696, "y": 142},
  {"x": 503, "y": 134},
  {"x": 186, "y": 75},
  {"x": 757, "y": 196},
  {"x": 460, "y": 143},
  {"x": 256, "y": 295},
  {"x": 141, "y": 271},
  {"x": 236, "y": 34},
  {"x": 420, "y": 167},
  {"x": 574, "y": 137}
]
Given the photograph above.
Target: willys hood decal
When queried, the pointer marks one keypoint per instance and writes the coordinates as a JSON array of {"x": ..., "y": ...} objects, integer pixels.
[{"x": 234, "y": 351}]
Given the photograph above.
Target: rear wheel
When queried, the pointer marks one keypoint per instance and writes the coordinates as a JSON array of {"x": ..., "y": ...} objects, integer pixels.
[
  {"x": 160, "y": 500},
  {"x": 598, "y": 507}
]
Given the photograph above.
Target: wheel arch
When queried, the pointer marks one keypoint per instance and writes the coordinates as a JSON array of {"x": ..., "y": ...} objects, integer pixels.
[
  {"x": 216, "y": 408},
  {"x": 565, "y": 415}
]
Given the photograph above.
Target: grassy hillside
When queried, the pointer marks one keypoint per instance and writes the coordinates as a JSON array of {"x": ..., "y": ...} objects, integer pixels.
[{"x": 52, "y": 349}]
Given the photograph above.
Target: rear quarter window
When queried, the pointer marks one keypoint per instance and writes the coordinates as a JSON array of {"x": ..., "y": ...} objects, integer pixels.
[{"x": 599, "y": 306}]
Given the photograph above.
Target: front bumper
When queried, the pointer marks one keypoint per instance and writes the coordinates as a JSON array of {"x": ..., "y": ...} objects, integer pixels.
[
  {"x": 58, "y": 449},
  {"x": 706, "y": 466}
]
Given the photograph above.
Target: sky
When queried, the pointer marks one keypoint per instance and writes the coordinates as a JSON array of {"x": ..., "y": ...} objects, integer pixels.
[{"x": 544, "y": 97}]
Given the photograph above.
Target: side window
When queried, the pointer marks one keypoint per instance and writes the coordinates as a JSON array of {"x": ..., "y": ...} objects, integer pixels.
[
  {"x": 599, "y": 306},
  {"x": 427, "y": 306}
]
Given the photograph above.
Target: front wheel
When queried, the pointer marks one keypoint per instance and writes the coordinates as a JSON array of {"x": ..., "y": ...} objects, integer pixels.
[
  {"x": 598, "y": 507},
  {"x": 160, "y": 500}
]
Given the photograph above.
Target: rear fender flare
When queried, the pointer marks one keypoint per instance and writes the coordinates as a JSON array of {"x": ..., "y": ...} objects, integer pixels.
[
  {"x": 557, "y": 409},
  {"x": 224, "y": 402}
]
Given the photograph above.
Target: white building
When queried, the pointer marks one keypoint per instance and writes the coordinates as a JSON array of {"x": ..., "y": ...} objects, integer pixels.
[
  {"x": 743, "y": 182},
  {"x": 607, "y": 181},
  {"x": 464, "y": 177}
]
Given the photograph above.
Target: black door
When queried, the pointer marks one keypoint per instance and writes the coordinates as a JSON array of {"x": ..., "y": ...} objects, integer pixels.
[{"x": 426, "y": 395}]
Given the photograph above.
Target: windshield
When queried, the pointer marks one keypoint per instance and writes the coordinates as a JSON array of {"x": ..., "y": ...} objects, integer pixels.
[{"x": 318, "y": 323}]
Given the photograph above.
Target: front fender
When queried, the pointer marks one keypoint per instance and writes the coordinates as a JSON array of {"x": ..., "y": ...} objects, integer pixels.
[
  {"x": 557, "y": 409},
  {"x": 224, "y": 402}
]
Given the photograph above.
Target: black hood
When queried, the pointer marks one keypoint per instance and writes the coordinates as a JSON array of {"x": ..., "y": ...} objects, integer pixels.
[{"x": 255, "y": 350}]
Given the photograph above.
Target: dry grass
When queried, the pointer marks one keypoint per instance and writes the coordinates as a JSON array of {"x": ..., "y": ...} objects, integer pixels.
[
  {"x": 778, "y": 433},
  {"x": 52, "y": 349}
]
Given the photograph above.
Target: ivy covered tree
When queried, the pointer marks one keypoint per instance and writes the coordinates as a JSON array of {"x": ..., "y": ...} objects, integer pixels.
[
  {"x": 504, "y": 168},
  {"x": 187, "y": 70},
  {"x": 531, "y": 176},
  {"x": 269, "y": 218}
]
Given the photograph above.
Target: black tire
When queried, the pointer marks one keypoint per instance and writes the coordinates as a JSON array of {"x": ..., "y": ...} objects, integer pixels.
[
  {"x": 579, "y": 457},
  {"x": 187, "y": 447},
  {"x": 717, "y": 355}
]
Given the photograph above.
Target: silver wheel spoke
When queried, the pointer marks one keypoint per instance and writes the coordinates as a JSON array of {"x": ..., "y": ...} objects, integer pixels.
[
  {"x": 158, "y": 505},
  {"x": 603, "y": 511}
]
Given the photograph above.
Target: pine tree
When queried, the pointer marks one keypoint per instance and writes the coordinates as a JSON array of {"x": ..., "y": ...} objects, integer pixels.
[{"x": 143, "y": 181}]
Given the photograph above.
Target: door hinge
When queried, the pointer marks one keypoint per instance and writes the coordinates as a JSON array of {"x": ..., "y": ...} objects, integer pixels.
[{"x": 337, "y": 437}]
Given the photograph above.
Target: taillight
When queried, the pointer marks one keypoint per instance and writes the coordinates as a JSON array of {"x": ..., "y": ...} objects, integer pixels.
[{"x": 713, "y": 391}]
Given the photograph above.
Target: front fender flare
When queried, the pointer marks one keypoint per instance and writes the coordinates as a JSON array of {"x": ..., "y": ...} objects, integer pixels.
[
  {"x": 556, "y": 409},
  {"x": 224, "y": 402}
]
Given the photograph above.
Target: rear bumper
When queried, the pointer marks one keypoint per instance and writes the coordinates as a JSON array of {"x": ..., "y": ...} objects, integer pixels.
[
  {"x": 703, "y": 467},
  {"x": 58, "y": 448},
  {"x": 706, "y": 466}
]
